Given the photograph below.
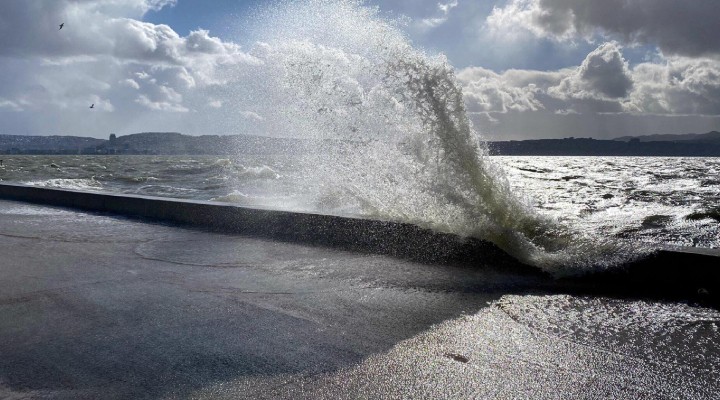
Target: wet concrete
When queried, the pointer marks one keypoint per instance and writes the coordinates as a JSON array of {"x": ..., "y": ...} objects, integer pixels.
[
  {"x": 345, "y": 232},
  {"x": 101, "y": 306}
]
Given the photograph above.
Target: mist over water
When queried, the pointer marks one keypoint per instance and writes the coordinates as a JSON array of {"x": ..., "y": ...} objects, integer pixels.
[{"x": 393, "y": 138}]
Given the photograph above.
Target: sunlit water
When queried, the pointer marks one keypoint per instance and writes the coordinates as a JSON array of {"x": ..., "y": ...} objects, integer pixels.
[{"x": 660, "y": 201}]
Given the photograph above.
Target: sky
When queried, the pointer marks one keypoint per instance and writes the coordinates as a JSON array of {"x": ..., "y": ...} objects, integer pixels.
[{"x": 528, "y": 68}]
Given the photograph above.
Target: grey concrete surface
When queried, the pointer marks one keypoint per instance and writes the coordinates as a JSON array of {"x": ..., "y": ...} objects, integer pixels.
[
  {"x": 350, "y": 233},
  {"x": 100, "y": 306},
  {"x": 94, "y": 305}
]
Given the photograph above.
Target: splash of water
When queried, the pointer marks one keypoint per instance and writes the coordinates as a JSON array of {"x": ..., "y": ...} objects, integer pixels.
[{"x": 392, "y": 136}]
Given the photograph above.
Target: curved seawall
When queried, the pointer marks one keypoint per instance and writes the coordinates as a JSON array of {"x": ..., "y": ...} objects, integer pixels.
[
  {"x": 357, "y": 234},
  {"x": 691, "y": 274}
]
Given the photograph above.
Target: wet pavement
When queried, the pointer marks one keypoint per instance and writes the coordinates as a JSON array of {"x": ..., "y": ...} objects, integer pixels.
[{"x": 100, "y": 306}]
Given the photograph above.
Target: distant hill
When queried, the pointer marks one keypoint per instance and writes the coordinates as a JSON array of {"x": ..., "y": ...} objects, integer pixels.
[
  {"x": 710, "y": 137},
  {"x": 592, "y": 147},
  {"x": 18, "y": 144},
  {"x": 173, "y": 143},
  {"x": 151, "y": 143}
]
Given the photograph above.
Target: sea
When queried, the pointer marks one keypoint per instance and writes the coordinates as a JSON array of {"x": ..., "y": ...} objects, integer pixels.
[{"x": 656, "y": 201}]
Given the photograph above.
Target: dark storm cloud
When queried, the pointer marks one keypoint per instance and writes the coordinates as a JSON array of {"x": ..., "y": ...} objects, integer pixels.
[
  {"x": 605, "y": 71},
  {"x": 603, "y": 74},
  {"x": 678, "y": 27}
]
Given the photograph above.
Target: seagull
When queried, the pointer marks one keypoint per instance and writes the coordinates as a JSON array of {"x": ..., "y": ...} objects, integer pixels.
[
  {"x": 61, "y": 25},
  {"x": 93, "y": 105}
]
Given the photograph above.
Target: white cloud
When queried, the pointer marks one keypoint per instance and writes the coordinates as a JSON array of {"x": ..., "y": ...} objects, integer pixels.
[
  {"x": 9, "y": 105},
  {"x": 147, "y": 76},
  {"x": 486, "y": 91},
  {"x": 603, "y": 83},
  {"x": 105, "y": 54},
  {"x": 252, "y": 116},
  {"x": 31, "y": 27},
  {"x": 681, "y": 85},
  {"x": 102, "y": 104},
  {"x": 160, "y": 105},
  {"x": 60, "y": 61},
  {"x": 441, "y": 18},
  {"x": 130, "y": 83},
  {"x": 522, "y": 17},
  {"x": 566, "y": 112}
]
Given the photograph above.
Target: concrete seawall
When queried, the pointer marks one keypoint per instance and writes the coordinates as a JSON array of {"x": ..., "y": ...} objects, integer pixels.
[
  {"x": 357, "y": 234},
  {"x": 687, "y": 273}
]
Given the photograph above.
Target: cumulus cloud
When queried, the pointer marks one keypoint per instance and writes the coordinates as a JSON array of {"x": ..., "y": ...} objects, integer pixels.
[
  {"x": 604, "y": 74},
  {"x": 130, "y": 83},
  {"x": 487, "y": 91},
  {"x": 681, "y": 85},
  {"x": 603, "y": 83},
  {"x": 443, "y": 12},
  {"x": 160, "y": 105},
  {"x": 107, "y": 55},
  {"x": 31, "y": 27},
  {"x": 677, "y": 27},
  {"x": 147, "y": 76},
  {"x": 521, "y": 17}
]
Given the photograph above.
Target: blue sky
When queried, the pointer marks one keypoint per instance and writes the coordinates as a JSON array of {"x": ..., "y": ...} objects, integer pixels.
[
  {"x": 527, "y": 68},
  {"x": 218, "y": 16}
]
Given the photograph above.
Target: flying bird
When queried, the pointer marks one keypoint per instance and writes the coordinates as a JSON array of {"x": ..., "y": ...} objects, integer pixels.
[
  {"x": 93, "y": 105},
  {"x": 61, "y": 25}
]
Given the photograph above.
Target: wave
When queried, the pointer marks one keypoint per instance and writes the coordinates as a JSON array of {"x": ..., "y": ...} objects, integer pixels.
[
  {"x": 223, "y": 162},
  {"x": 262, "y": 172},
  {"x": 164, "y": 190},
  {"x": 234, "y": 197},
  {"x": 288, "y": 203},
  {"x": 712, "y": 214},
  {"x": 128, "y": 178},
  {"x": 394, "y": 135},
  {"x": 66, "y": 183},
  {"x": 184, "y": 170}
]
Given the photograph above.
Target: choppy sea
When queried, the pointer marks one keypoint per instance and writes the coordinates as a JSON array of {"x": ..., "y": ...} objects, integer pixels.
[{"x": 660, "y": 201}]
